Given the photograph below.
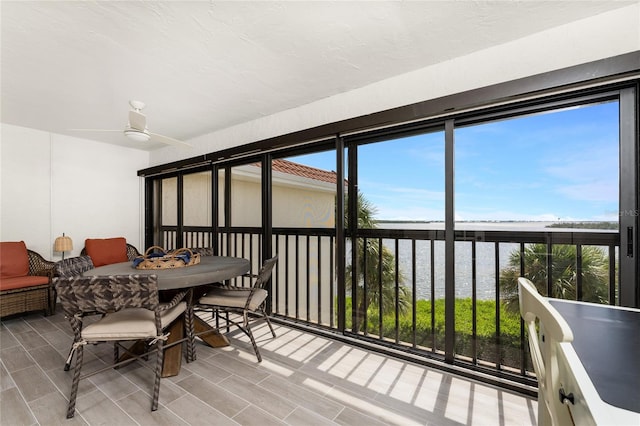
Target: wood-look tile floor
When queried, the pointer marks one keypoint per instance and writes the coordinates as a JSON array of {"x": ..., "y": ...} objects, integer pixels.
[{"x": 304, "y": 379}]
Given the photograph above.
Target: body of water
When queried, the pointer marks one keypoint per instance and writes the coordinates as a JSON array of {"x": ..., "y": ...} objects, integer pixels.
[{"x": 486, "y": 271}]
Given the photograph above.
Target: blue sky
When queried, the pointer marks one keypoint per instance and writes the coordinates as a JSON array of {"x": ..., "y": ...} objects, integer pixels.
[{"x": 553, "y": 166}]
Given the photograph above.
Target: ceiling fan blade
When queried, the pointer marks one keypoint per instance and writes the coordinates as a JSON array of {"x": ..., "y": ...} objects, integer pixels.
[
  {"x": 169, "y": 141},
  {"x": 137, "y": 120},
  {"x": 94, "y": 130}
]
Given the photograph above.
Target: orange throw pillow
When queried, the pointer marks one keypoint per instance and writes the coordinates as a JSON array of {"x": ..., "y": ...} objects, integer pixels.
[
  {"x": 14, "y": 260},
  {"x": 106, "y": 251}
]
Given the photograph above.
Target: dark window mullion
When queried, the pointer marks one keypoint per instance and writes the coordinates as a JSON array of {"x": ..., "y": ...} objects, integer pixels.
[
  {"x": 450, "y": 269},
  {"x": 180, "y": 212}
]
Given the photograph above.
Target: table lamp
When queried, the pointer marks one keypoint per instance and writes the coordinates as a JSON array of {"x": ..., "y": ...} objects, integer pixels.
[{"x": 63, "y": 244}]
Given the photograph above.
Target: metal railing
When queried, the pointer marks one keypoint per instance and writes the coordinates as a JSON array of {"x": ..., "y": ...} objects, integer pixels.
[{"x": 304, "y": 286}]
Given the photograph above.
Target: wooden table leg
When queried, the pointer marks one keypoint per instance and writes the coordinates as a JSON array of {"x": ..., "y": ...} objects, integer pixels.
[
  {"x": 173, "y": 356},
  {"x": 213, "y": 338},
  {"x": 139, "y": 347},
  {"x": 172, "y": 360}
]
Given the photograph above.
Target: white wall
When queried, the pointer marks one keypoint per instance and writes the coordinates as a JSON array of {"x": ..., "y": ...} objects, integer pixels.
[
  {"x": 597, "y": 37},
  {"x": 50, "y": 184}
]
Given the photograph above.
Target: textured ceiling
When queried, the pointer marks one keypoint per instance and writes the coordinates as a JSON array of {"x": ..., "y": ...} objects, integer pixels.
[{"x": 203, "y": 66}]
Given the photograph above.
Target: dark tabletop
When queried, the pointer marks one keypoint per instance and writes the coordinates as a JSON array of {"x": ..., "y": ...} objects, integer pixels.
[
  {"x": 211, "y": 269},
  {"x": 607, "y": 341}
]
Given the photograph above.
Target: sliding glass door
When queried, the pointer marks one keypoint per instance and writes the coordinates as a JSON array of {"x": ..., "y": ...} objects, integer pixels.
[
  {"x": 413, "y": 237},
  {"x": 541, "y": 193}
]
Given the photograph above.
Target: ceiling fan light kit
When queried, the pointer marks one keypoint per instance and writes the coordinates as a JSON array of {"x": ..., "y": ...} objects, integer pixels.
[{"x": 137, "y": 135}]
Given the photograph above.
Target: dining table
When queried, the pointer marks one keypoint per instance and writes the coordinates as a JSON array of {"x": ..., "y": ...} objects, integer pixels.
[
  {"x": 210, "y": 270},
  {"x": 599, "y": 371}
]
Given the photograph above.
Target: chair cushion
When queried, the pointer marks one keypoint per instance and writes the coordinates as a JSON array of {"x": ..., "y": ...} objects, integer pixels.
[
  {"x": 22, "y": 282},
  {"x": 14, "y": 260},
  {"x": 73, "y": 266},
  {"x": 130, "y": 324},
  {"x": 106, "y": 251},
  {"x": 170, "y": 315},
  {"x": 221, "y": 296}
]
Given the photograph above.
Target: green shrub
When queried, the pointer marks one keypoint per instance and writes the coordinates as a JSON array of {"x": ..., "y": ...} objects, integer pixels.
[{"x": 425, "y": 333}]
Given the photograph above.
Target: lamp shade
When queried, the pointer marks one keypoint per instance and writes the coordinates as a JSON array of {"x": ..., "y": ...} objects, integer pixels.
[{"x": 63, "y": 244}]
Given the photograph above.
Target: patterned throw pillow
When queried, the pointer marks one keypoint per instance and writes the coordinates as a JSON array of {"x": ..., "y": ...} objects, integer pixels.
[{"x": 73, "y": 266}]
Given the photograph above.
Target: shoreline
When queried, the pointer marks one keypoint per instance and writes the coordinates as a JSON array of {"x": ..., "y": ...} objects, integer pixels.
[{"x": 495, "y": 225}]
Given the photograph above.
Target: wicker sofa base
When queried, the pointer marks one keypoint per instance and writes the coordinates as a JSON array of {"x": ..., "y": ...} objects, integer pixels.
[{"x": 19, "y": 300}]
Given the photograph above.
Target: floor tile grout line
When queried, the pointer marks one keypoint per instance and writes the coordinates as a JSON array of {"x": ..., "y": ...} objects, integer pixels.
[{"x": 24, "y": 399}]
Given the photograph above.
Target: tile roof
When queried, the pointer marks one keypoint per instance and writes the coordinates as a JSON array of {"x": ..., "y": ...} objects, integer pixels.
[{"x": 289, "y": 167}]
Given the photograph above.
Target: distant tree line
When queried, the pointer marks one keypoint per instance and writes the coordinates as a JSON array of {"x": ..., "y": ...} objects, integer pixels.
[{"x": 585, "y": 225}]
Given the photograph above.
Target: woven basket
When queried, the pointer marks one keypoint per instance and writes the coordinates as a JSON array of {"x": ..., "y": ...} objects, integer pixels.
[{"x": 168, "y": 259}]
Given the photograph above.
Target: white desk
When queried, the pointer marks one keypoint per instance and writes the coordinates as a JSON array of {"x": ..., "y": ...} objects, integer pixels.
[{"x": 601, "y": 367}]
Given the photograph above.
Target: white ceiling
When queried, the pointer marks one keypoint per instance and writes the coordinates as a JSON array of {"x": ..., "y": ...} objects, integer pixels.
[{"x": 203, "y": 66}]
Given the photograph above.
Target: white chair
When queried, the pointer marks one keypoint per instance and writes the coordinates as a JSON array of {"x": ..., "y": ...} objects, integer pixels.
[{"x": 543, "y": 344}]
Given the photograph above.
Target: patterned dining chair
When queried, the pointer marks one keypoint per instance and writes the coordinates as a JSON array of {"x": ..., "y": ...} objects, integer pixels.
[
  {"x": 202, "y": 251},
  {"x": 68, "y": 268},
  {"x": 247, "y": 302},
  {"x": 73, "y": 266},
  {"x": 132, "y": 312}
]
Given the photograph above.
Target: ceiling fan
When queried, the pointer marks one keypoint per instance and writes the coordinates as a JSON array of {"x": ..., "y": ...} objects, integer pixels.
[{"x": 136, "y": 129}]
